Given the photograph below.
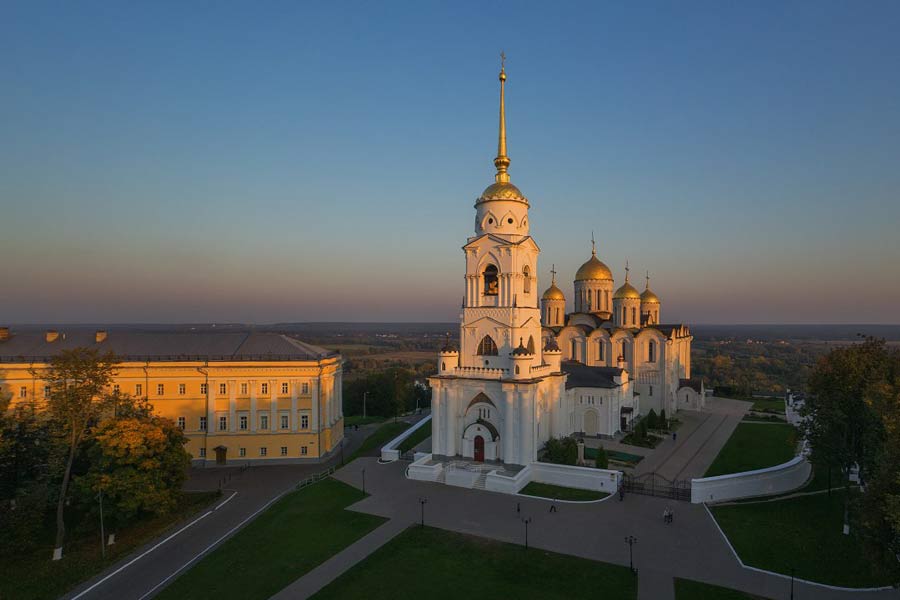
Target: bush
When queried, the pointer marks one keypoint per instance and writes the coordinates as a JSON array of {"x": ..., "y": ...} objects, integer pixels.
[
  {"x": 651, "y": 420},
  {"x": 602, "y": 460},
  {"x": 561, "y": 451},
  {"x": 641, "y": 430}
]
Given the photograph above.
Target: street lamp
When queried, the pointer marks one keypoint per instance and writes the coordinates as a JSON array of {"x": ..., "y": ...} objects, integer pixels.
[
  {"x": 526, "y": 520},
  {"x": 364, "y": 480},
  {"x": 792, "y": 583},
  {"x": 102, "y": 529},
  {"x": 631, "y": 541},
  {"x": 365, "y": 395},
  {"x": 423, "y": 501}
]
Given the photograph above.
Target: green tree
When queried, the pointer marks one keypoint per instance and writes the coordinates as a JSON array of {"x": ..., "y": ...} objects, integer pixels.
[
  {"x": 651, "y": 420},
  {"x": 79, "y": 379},
  {"x": 602, "y": 460},
  {"x": 561, "y": 451},
  {"x": 139, "y": 464}
]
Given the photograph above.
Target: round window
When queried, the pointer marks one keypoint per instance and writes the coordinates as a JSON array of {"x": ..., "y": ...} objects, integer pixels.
[
  {"x": 490, "y": 221},
  {"x": 509, "y": 221}
]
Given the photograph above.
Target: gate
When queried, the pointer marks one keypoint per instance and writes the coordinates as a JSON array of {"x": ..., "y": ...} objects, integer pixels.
[{"x": 653, "y": 484}]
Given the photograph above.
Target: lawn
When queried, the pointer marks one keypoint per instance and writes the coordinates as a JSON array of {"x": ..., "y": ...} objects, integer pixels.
[
  {"x": 775, "y": 405},
  {"x": 354, "y": 420},
  {"x": 768, "y": 418},
  {"x": 804, "y": 533},
  {"x": 423, "y": 562},
  {"x": 686, "y": 589},
  {"x": 418, "y": 436},
  {"x": 382, "y": 436},
  {"x": 755, "y": 446},
  {"x": 31, "y": 575},
  {"x": 296, "y": 534},
  {"x": 558, "y": 492}
]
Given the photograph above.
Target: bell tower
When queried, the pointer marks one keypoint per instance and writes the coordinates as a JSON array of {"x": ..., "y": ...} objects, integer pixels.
[{"x": 500, "y": 310}]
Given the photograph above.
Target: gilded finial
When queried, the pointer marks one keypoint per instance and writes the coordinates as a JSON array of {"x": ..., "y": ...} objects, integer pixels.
[
  {"x": 502, "y": 160},
  {"x": 627, "y": 269},
  {"x": 648, "y": 280},
  {"x": 553, "y": 271},
  {"x": 593, "y": 245}
]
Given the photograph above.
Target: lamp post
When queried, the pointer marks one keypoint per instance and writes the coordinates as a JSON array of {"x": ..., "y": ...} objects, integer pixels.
[
  {"x": 526, "y": 520},
  {"x": 792, "y": 583},
  {"x": 365, "y": 395},
  {"x": 423, "y": 501},
  {"x": 631, "y": 541},
  {"x": 364, "y": 480}
]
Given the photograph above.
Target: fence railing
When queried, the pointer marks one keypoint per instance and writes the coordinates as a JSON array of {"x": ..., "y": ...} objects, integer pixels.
[{"x": 315, "y": 478}]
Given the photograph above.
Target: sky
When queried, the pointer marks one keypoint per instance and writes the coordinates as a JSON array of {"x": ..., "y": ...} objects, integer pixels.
[{"x": 265, "y": 162}]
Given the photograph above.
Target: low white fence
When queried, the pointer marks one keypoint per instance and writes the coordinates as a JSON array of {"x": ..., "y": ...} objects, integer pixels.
[
  {"x": 422, "y": 471},
  {"x": 779, "y": 479},
  {"x": 504, "y": 484},
  {"x": 390, "y": 451},
  {"x": 585, "y": 478}
]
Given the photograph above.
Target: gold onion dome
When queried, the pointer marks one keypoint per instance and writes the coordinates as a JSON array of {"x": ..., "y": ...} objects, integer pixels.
[
  {"x": 627, "y": 291},
  {"x": 594, "y": 268},
  {"x": 553, "y": 292},
  {"x": 648, "y": 297},
  {"x": 502, "y": 190}
]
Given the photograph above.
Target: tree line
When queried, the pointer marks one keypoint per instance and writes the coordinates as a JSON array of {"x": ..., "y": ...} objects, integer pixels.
[
  {"x": 388, "y": 393},
  {"x": 58, "y": 456},
  {"x": 852, "y": 421}
]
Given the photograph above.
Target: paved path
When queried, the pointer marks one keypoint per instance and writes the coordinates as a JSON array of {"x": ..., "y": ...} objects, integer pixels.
[
  {"x": 692, "y": 547},
  {"x": 256, "y": 488},
  {"x": 332, "y": 568}
]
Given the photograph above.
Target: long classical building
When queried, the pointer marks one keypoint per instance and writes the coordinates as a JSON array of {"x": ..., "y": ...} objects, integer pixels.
[
  {"x": 238, "y": 396},
  {"x": 526, "y": 369}
]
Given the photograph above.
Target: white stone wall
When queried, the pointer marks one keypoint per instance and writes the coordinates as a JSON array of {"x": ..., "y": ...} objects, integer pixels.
[
  {"x": 585, "y": 478},
  {"x": 779, "y": 479}
]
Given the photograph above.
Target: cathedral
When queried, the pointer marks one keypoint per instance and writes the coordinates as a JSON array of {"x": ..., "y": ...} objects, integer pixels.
[{"x": 525, "y": 369}]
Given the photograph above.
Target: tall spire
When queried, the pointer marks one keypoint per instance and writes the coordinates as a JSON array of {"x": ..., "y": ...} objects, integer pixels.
[
  {"x": 593, "y": 245},
  {"x": 502, "y": 160}
]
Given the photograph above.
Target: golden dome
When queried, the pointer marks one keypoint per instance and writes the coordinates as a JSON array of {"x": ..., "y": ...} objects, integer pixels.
[
  {"x": 593, "y": 269},
  {"x": 553, "y": 293},
  {"x": 648, "y": 297},
  {"x": 627, "y": 292},
  {"x": 502, "y": 190}
]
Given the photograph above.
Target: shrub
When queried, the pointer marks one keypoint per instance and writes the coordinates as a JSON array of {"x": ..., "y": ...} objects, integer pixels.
[
  {"x": 561, "y": 451},
  {"x": 602, "y": 460},
  {"x": 641, "y": 430},
  {"x": 651, "y": 420}
]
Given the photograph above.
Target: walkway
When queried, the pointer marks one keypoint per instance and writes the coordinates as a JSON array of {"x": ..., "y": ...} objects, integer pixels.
[
  {"x": 256, "y": 488},
  {"x": 692, "y": 547}
]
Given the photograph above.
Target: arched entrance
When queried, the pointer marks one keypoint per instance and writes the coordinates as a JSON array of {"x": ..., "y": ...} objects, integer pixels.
[
  {"x": 591, "y": 424},
  {"x": 479, "y": 449},
  {"x": 221, "y": 455}
]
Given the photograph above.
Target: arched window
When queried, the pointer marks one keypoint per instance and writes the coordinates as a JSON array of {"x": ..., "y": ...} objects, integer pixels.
[
  {"x": 599, "y": 349},
  {"x": 633, "y": 316},
  {"x": 443, "y": 366},
  {"x": 651, "y": 351},
  {"x": 526, "y": 273},
  {"x": 487, "y": 347},
  {"x": 491, "y": 284},
  {"x": 574, "y": 350},
  {"x": 531, "y": 344},
  {"x": 517, "y": 369},
  {"x": 557, "y": 315},
  {"x": 599, "y": 305}
]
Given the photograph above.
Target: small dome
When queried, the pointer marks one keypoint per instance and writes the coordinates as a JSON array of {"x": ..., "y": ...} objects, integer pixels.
[
  {"x": 627, "y": 292},
  {"x": 502, "y": 190},
  {"x": 521, "y": 350},
  {"x": 554, "y": 293},
  {"x": 551, "y": 345},
  {"x": 648, "y": 297},
  {"x": 593, "y": 269}
]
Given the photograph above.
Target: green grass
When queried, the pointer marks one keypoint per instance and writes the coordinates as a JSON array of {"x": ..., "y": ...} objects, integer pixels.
[
  {"x": 755, "y": 446},
  {"x": 382, "y": 436},
  {"x": 354, "y": 420},
  {"x": 31, "y": 574},
  {"x": 431, "y": 563},
  {"x": 804, "y": 533},
  {"x": 775, "y": 405},
  {"x": 418, "y": 436},
  {"x": 296, "y": 534},
  {"x": 686, "y": 589},
  {"x": 558, "y": 492},
  {"x": 769, "y": 418}
]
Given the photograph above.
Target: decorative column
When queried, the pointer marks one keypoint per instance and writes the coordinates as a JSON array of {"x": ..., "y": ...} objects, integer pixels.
[
  {"x": 508, "y": 420},
  {"x": 294, "y": 419},
  {"x": 315, "y": 405},
  {"x": 339, "y": 392},
  {"x": 254, "y": 419},
  {"x": 211, "y": 425},
  {"x": 437, "y": 421},
  {"x": 452, "y": 448},
  {"x": 232, "y": 406},
  {"x": 273, "y": 406}
]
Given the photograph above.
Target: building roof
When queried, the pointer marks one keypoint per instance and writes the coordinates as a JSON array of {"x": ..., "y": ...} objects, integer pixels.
[
  {"x": 28, "y": 346},
  {"x": 581, "y": 375}
]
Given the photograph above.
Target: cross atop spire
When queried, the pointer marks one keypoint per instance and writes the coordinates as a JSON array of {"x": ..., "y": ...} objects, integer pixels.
[
  {"x": 627, "y": 269},
  {"x": 648, "y": 280},
  {"x": 593, "y": 245},
  {"x": 502, "y": 160},
  {"x": 553, "y": 271}
]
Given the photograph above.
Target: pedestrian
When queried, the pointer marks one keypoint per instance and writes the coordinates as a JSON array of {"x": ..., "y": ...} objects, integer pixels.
[
  {"x": 518, "y": 507},
  {"x": 666, "y": 516},
  {"x": 674, "y": 435},
  {"x": 553, "y": 507},
  {"x": 621, "y": 492}
]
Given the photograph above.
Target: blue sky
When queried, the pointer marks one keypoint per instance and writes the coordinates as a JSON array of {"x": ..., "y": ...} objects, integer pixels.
[{"x": 262, "y": 162}]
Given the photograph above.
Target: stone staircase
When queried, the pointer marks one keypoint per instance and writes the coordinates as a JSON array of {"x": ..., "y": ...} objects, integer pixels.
[{"x": 481, "y": 482}]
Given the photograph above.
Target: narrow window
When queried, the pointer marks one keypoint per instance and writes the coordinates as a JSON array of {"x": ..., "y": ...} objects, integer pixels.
[
  {"x": 264, "y": 388},
  {"x": 304, "y": 388},
  {"x": 443, "y": 366},
  {"x": 115, "y": 389},
  {"x": 487, "y": 347},
  {"x": 138, "y": 389},
  {"x": 204, "y": 388},
  {"x": 284, "y": 389},
  {"x": 202, "y": 452},
  {"x": 23, "y": 392},
  {"x": 243, "y": 423},
  {"x": 181, "y": 389},
  {"x": 263, "y": 451},
  {"x": 223, "y": 388},
  {"x": 574, "y": 350},
  {"x": 600, "y": 349},
  {"x": 527, "y": 274},
  {"x": 517, "y": 369},
  {"x": 284, "y": 421},
  {"x": 223, "y": 423},
  {"x": 202, "y": 423},
  {"x": 284, "y": 450},
  {"x": 242, "y": 452},
  {"x": 303, "y": 450},
  {"x": 244, "y": 389},
  {"x": 651, "y": 351},
  {"x": 491, "y": 281},
  {"x": 47, "y": 390},
  {"x": 160, "y": 389},
  {"x": 263, "y": 421},
  {"x": 651, "y": 391},
  {"x": 531, "y": 344},
  {"x": 181, "y": 423},
  {"x": 304, "y": 421},
  {"x": 633, "y": 316}
]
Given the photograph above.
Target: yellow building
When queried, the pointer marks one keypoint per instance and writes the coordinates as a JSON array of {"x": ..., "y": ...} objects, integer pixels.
[{"x": 239, "y": 397}]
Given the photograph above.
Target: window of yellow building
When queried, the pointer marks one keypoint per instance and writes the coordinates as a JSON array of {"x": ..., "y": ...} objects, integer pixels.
[
  {"x": 284, "y": 389},
  {"x": 263, "y": 451},
  {"x": 264, "y": 388}
]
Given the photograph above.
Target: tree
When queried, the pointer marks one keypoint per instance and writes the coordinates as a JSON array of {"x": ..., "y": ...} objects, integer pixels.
[
  {"x": 78, "y": 380},
  {"x": 664, "y": 422},
  {"x": 602, "y": 460},
  {"x": 651, "y": 420},
  {"x": 139, "y": 464},
  {"x": 561, "y": 451}
]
